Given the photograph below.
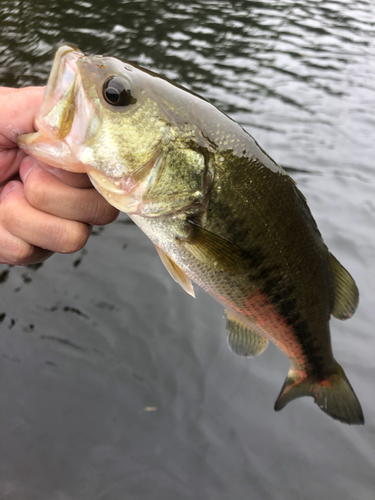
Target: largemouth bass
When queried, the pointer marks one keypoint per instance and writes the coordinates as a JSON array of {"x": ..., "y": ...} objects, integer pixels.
[{"x": 219, "y": 210}]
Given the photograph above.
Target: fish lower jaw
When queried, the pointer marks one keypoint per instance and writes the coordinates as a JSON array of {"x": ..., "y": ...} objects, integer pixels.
[
  {"x": 126, "y": 198},
  {"x": 54, "y": 153}
]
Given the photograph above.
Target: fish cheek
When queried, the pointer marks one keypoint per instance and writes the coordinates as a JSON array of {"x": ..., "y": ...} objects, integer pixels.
[{"x": 180, "y": 184}]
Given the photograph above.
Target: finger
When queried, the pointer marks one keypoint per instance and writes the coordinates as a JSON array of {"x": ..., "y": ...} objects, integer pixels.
[
  {"x": 18, "y": 252},
  {"x": 39, "y": 228},
  {"x": 10, "y": 161},
  {"x": 47, "y": 193},
  {"x": 78, "y": 180},
  {"x": 19, "y": 108}
]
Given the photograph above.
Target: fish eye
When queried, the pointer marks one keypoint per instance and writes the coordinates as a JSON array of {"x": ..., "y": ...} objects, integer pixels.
[{"x": 117, "y": 91}]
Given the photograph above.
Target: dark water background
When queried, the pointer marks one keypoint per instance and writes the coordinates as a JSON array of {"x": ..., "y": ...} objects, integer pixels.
[{"x": 90, "y": 343}]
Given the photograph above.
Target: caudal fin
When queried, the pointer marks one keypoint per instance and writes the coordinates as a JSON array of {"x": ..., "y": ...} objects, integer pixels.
[{"x": 334, "y": 395}]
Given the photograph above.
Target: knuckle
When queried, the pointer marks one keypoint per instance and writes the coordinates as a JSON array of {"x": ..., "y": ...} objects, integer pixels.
[
  {"x": 109, "y": 215},
  {"x": 72, "y": 236},
  {"x": 9, "y": 211},
  {"x": 35, "y": 191},
  {"x": 16, "y": 251},
  {"x": 99, "y": 211},
  {"x": 22, "y": 254}
]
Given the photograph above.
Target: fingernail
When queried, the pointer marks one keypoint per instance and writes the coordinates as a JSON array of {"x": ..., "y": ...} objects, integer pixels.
[
  {"x": 26, "y": 167},
  {"x": 7, "y": 189}
]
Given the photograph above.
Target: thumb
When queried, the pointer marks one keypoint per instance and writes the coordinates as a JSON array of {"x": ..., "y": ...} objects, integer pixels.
[{"x": 19, "y": 108}]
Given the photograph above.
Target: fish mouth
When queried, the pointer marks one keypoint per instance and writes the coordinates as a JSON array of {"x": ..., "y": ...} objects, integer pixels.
[
  {"x": 60, "y": 93},
  {"x": 64, "y": 117}
]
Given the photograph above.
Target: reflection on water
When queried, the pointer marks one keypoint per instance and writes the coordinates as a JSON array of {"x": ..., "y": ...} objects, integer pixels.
[{"x": 90, "y": 342}]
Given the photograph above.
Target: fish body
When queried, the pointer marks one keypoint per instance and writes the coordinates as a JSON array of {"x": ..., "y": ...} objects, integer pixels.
[{"x": 219, "y": 210}]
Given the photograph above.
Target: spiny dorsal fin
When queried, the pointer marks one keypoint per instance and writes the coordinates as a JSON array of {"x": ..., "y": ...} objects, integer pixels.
[
  {"x": 243, "y": 340},
  {"x": 334, "y": 395},
  {"x": 217, "y": 252},
  {"x": 346, "y": 291},
  {"x": 176, "y": 272}
]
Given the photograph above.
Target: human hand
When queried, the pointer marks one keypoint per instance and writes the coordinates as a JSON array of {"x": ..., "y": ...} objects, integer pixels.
[{"x": 42, "y": 209}]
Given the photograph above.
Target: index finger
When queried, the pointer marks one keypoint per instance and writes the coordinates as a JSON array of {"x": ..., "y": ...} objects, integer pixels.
[{"x": 79, "y": 180}]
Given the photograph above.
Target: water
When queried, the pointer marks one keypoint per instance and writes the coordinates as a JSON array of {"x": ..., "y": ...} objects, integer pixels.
[{"x": 114, "y": 383}]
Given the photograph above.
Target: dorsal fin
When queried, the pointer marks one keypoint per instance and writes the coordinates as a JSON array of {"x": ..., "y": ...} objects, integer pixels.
[
  {"x": 346, "y": 291},
  {"x": 243, "y": 340},
  {"x": 176, "y": 272}
]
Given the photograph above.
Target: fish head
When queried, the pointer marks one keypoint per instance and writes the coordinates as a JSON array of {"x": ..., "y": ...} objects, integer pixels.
[{"x": 113, "y": 120}]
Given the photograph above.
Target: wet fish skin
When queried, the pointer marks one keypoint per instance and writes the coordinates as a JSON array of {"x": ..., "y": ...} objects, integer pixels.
[{"x": 220, "y": 211}]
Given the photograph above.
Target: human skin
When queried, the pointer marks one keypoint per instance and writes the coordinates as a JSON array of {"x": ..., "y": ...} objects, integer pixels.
[{"x": 43, "y": 210}]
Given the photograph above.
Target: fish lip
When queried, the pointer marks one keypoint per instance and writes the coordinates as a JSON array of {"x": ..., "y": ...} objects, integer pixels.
[
  {"x": 63, "y": 74},
  {"x": 62, "y": 121}
]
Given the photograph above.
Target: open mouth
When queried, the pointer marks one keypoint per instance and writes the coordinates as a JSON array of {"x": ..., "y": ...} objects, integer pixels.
[
  {"x": 58, "y": 108},
  {"x": 64, "y": 117}
]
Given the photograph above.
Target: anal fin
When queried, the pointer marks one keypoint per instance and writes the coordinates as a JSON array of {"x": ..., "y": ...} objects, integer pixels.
[
  {"x": 176, "y": 272},
  {"x": 243, "y": 340}
]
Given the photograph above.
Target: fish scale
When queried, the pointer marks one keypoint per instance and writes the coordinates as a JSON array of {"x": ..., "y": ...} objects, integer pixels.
[{"x": 283, "y": 289}]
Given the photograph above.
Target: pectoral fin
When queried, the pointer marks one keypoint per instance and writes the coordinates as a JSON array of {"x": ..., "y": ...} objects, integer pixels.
[
  {"x": 217, "y": 252},
  {"x": 346, "y": 291},
  {"x": 243, "y": 340},
  {"x": 176, "y": 272}
]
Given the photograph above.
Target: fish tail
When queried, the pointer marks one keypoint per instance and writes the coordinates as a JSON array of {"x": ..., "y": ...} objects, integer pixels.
[{"x": 334, "y": 395}]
